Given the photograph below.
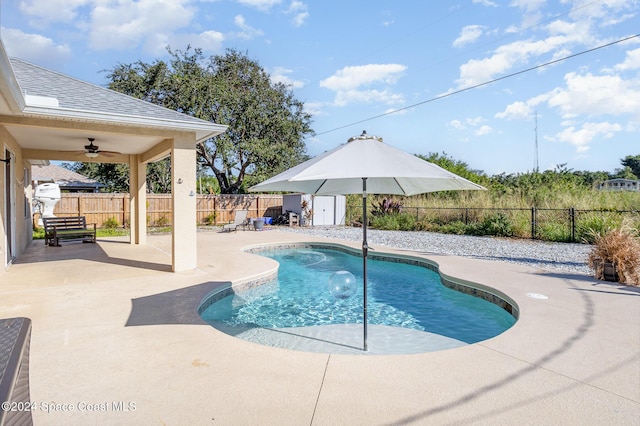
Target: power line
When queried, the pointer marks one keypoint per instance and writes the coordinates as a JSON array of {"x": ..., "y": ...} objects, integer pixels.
[{"x": 475, "y": 86}]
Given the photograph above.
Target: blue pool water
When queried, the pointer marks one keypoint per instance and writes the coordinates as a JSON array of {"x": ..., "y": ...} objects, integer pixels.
[{"x": 399, "y": 295}]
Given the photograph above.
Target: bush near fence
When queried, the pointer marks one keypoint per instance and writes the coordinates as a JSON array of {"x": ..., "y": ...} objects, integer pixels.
[{"x": 105, "y": 209}]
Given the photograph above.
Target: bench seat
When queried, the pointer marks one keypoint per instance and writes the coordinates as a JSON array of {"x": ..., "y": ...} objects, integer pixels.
[{"x": 58, "y": 229}]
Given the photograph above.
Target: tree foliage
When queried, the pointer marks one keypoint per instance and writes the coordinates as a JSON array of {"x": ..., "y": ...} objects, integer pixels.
[
  {"x": 631, "y": 164},
  {"x": 267, "y": 125},
  {"x": 115, "y": 177}
]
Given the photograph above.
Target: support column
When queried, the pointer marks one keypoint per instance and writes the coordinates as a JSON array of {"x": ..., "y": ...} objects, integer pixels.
[
  {"x": 137, "y": 200},
  {"x": 183, "y": 191}
]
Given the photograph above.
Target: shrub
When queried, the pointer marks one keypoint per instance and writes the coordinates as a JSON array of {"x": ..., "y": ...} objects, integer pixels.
[
  {"x": 394, "y": 222},
  {"x": 621, "y": 247},
  {"x": 210, "y": 219},
  {"x": 496, "y": 224},
  {"x": 457, "y": 227},
  {"x": 553, "y": 231},
  {"x": 593, "y": 224},
  {"x": 111, "y": 223},
  {"x": 162, "y": 221}
]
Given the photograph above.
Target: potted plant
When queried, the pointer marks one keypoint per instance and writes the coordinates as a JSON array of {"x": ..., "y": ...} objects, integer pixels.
[{"x": 616, "y": 255}]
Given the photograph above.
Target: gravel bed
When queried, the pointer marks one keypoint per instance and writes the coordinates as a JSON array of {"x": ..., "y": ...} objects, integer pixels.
[{"x": 539, "y": 254}]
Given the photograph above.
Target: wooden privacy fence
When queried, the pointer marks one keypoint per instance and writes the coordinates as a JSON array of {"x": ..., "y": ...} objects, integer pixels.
[{"x": 210, "y": 209}]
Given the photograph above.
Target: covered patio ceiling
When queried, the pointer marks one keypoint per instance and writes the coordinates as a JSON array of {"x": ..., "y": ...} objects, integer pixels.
[{"x": 67, "y": 144}]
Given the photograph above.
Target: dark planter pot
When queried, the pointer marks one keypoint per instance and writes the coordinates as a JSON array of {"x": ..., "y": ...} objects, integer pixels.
[
  {"x": 258, "y": 224},
  {"x": 610, "y": 272}
]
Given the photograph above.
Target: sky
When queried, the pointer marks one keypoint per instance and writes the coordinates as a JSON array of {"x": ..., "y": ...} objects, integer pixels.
[{"x": 461, "y": 77}]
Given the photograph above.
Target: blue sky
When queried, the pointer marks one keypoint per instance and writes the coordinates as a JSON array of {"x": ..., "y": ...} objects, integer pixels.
[{"x": 351, "y": 61}]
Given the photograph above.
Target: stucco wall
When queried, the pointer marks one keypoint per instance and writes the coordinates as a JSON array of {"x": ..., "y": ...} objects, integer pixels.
[{"x": 22, "y": 193}]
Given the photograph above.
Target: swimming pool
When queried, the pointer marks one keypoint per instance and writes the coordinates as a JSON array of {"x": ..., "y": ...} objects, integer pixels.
[{"x": 400, "y": 295}]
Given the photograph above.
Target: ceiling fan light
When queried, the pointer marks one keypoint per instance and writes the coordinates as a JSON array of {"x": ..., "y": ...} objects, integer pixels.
[{"x": 91, "y": 154}]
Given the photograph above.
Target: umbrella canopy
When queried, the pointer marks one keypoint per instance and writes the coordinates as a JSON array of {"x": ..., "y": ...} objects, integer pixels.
[
  {"x": 388, "y": 171},
  {"x": 365, "y": 164}
]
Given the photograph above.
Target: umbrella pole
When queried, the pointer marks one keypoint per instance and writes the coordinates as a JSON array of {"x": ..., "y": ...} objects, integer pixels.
[{"x": 365, "y": 252}]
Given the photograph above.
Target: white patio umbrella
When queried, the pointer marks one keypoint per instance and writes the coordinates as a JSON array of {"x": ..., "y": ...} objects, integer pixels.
[{"x": 365, "y": 165}]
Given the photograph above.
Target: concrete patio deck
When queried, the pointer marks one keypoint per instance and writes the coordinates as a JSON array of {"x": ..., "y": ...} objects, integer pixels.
[{"x": 116, "y": 340}]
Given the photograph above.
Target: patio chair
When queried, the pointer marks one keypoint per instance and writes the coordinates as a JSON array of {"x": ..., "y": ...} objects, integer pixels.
[{"x": 239, "y": 220}]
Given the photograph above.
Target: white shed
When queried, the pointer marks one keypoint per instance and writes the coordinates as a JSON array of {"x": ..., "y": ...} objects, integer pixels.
[{"x": 326, "y": 209}]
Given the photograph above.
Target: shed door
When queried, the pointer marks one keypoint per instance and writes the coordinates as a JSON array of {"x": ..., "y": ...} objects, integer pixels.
[{"x": 323, "y": 210}]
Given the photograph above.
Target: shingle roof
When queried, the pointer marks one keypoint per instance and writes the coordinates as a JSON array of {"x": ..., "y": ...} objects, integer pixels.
[
  {"x": 62, "y": 177},
  {"x": 73, "y": 94}
]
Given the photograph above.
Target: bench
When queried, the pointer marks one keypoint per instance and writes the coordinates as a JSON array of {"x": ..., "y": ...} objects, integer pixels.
[
  {"x": 15, "y": 341},
  {"x": 67, "y": 228}
]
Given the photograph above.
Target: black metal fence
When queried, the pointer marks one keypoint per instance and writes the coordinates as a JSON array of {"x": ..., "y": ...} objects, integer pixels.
[{"x": 566, "y": 225}]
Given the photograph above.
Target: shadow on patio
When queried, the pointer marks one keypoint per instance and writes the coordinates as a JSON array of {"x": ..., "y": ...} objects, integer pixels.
[
  {"x": 172, "y": 307},
  {"x": 112, "y": 252}
]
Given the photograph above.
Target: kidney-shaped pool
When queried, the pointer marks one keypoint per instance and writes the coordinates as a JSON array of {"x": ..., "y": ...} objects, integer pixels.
[{"x": 314, "y": 306}]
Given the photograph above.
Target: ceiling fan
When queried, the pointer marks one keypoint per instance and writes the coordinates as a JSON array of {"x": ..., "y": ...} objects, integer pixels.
[{"x": 92, "y": 151}]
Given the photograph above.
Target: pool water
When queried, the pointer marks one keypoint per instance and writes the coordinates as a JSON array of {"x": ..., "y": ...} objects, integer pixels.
[{"x": 399, "y": 295}]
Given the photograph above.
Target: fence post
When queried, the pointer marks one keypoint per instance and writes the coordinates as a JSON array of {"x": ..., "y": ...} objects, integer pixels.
[
  {"x": 572, "y": 218},
  {"x": 533, "y": 223}
]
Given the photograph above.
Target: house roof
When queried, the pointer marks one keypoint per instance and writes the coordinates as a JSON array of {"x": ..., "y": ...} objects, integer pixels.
[
  {"x": 63, "y": 177},
  {"x": 50, "y": 93}
]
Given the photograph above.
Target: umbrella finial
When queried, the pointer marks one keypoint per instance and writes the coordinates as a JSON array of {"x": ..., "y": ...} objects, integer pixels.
[{"x": 364, "y": 136}]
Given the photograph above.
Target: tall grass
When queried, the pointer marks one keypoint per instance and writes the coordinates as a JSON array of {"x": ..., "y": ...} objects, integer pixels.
[{"x": 506, "y": 211}]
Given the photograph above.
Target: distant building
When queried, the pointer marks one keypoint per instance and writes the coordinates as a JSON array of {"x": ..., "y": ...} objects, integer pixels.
[
  {"x": 620, "y": 185},
  {"x": 69, "y": 181}
]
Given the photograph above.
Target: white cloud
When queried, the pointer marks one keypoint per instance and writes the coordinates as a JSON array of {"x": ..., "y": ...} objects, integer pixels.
[
  {"x": 631, "y": 62},
  {"x": 485, "y": 3},
  {"x": 299, "y": 11},
  {"x": 606, "y": 10},
  {"x": 45, "y": 12},
  {"x": 583, "y": 137},
  {"x": 475, "y": 121},
  {"x": 515, "y": 110},
  {"x": 315, "y": 108},
  {"x": 529, "y": 5},
  {"x": 468, "y": 34},
  {"x": 596, "y": 95},
  {"x": 132, "y": 23},
  {"x": 474, "y": 124},
  {"x": 345, "y": 97},
  {"x": 247, "y": 32},
  {"x": 356, "y": 76},
  {"x": 531, "y": 10},
  {"x": 281, "y": 75},
  {"x": 478, "y": 71},
  {"x": 34, "y": 47},
  {"x": 207, "y": 41},
  {"x": 350, "y": 83},
  {"x": 457, "y": 124},
  {"x": 484, "y": 130},
  {"x": 260, "y": 4}
]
